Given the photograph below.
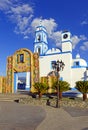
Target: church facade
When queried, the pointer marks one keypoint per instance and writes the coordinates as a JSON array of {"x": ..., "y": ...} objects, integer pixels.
[
  {"x": 74, "y": 70},
  {"x": 36, "y": 66}
]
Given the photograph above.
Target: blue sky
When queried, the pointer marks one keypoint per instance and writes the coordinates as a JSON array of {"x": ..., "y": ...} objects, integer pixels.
[{"x": 18, "y": 19}]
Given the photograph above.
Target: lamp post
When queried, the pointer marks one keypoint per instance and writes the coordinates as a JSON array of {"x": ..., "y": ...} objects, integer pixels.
[{"x": 57, "y": 66}]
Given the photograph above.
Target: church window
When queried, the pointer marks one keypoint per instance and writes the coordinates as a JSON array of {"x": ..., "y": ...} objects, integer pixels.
[
  {"x": 39, "y": 37},
  {"x": 51, "y": 65},
  {"x": 20, "y": 58},
  {"x": 39, "y": 51},
  {"x": 76, "y": 63}
]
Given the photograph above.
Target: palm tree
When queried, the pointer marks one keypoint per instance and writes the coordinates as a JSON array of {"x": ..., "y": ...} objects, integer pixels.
[
  {"x": 41, "y": 88},
  {"x": 62, "y": 85},
  {"x": 82, "y": 86}
]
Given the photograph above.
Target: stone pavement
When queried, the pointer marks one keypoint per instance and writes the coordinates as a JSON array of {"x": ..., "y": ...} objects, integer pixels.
[
  {"x": 15, "y": 116},
  {"x": 64, "y": 119}
]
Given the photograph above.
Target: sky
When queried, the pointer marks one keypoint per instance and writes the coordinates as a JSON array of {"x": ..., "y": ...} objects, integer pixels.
[{"x": 19, "y": 18}]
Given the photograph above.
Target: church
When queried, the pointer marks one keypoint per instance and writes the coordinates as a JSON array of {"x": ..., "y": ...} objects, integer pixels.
[
  {"x": 74, "y": 70},
  {"x": 38, "y": 64}
]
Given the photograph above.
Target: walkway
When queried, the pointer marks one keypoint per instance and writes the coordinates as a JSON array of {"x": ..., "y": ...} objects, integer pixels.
[
  {"x": 64, "y": 119},
  {"x": 15, "y": 116}
]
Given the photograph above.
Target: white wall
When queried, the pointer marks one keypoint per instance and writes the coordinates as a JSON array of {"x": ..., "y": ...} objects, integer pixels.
[
  {"x": 67, "y": 46},
  {"x": 45, "y": 65},
  {"x": 77, "y": 75},
  {"x": 68, "y": 74}
]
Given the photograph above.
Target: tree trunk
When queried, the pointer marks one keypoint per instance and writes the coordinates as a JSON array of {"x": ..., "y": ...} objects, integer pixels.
[
  {"x": 60, "y": 95},
  {"x": 40, "y": 95},
  {"x": 84, "y": 96}
]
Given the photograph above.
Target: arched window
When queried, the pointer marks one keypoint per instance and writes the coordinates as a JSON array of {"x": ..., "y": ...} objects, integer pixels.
[
  {"x": 39, "y": 50},
  {"x": 20, "y": 58},
  {"x": 39, "y": 37}
]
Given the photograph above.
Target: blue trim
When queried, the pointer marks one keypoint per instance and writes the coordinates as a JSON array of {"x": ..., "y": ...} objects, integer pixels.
[
  {"x": 42, "y": 55},
  {"x": 27, "y": 89},
  {"x": 55, "y": 48},
  {"x": 37, "y": 48},
  {"x": 67, "y": 52},
  {"x": 59, "y": 48},
  {"x": 15, "y": 87},
  {"x": 67, "y": 41},
  {"x": 41, "y": 31},
  {"x": 61, "y": 78},
  {"x": 75, "y": 67},
  {"x": 57, "y": 53},
  {"x": 50, "y": 54},
  {"x": 41, "y": 49},
  {"x": 41, "y": 26},
  {"x": 41, "y": 42}
]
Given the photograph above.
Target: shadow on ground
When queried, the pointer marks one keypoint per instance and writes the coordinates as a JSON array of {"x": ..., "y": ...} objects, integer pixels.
[
  {"x": 85, "y": 128},
  {"x": 77, "y": 112}
]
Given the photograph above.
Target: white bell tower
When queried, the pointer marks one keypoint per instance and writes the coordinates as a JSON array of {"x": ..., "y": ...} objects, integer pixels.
[
  {"x": 40, "y": 43},
  {"x": 67, "y": 54},
  {"x": 66, "y": 42}
]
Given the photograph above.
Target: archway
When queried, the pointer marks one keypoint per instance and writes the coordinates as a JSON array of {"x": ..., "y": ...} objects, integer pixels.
[
  {"x": 22, "y": 81},
  {"x": 25, "y": 63}
]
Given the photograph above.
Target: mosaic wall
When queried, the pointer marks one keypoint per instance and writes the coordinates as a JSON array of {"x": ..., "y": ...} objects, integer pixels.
[
  {"x": 23, "y": 60},
  {"x": 25, "y": 65},
  {"x": 49, "y": 80},
  {"x": 36, "y": 67},
  {"x": 9, "y": 74},
  {"x": 2, "y": 84}
]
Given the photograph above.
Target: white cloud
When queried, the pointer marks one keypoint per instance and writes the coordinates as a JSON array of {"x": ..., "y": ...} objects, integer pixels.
[
  {"x": 56, "y": 36},
  {"x": 26, "y": 37},
  {"x": 84, "y": 22},
  {"x": 22, "y": 9},
  {"x": 76, "y": 39},
  {"x": 50, "y": 24},
  {"x": 83, "y": 37},
  {"x": 19, "y": 14},
  {"x": 84, "y": 47},
  {"x": 4, "y": 4}
]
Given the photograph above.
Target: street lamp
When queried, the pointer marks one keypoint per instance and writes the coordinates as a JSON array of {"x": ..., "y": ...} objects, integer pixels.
[{"x": 57, "y": 66}]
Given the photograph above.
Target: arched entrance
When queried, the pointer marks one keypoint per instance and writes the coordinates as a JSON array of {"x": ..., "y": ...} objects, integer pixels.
[
  {"x": 22, "y": 70},
  {"x": 22, "y": 81}
]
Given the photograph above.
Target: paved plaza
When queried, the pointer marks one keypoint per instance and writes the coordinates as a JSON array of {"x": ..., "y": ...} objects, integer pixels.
[
  {"x": 65, "y": 119},
  {"x": 17, "y": 116}
]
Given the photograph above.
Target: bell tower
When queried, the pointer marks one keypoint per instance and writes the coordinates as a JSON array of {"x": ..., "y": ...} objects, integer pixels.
[
  {"x": 40, "y": 43},
  {"x": 66, "y": 42}
]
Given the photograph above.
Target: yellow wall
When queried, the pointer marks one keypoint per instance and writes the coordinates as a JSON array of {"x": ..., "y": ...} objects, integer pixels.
[
  {"x": 49, "y": 80},
  {"x": 29, "y": 64},
  {"x": 2, "y": 84}
]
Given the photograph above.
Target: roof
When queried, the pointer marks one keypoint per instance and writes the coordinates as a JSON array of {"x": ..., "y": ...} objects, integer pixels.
[{"x": 53, "y": 51}]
